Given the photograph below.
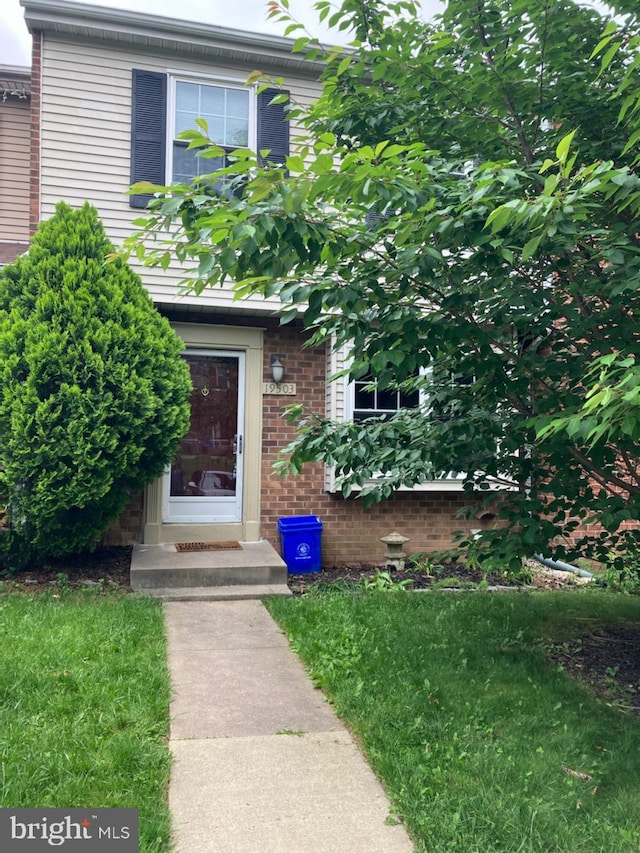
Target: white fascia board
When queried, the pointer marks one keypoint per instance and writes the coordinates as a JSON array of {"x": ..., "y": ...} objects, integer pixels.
[{"x": 144, "y": 30}]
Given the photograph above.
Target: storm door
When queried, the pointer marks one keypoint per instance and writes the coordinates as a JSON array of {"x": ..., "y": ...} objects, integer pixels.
[{"x": 204, "y": 484}]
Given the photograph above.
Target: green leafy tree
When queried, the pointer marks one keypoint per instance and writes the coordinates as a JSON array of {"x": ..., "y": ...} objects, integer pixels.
[
  {"x": 93, "y": 391},
  {"x": 466, "y": 222}
]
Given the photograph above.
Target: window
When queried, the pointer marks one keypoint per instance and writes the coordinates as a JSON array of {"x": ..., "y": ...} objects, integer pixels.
[
  {"x": 226, "y": 109},
  {"x": 236, "y": 115},
  {"x": 361, "y": 399},
  {"x": 370, "y": 401}
]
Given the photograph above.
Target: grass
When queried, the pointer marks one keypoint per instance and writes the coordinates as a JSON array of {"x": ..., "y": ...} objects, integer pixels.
[
  {"x": 475, "y": 736},
  {"x": 84, "y": 694}
]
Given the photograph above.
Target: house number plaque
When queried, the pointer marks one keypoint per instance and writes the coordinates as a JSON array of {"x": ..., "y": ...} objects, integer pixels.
[{"x": 284, "y": 388}]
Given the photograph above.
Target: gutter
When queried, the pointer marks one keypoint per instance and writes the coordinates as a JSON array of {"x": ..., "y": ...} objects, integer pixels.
[{"x": 97, "y": 21}]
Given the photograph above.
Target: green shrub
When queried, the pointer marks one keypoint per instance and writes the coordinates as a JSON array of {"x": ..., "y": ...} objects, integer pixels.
[{"x": 93, "y": 391}]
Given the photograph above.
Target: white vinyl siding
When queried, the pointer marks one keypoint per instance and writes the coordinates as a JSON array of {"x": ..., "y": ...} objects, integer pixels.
[
  {"x": 86, "y": 137},
  {"x": 335, "y": 403},
  {"x": 15, "y": 166}
]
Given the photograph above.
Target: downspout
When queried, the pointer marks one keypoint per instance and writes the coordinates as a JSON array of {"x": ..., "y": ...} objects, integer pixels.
[{"x": 562, "y": 567}]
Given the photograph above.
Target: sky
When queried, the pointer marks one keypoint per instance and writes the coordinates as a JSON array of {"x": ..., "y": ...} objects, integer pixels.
[{"x": 15, "y": 42}]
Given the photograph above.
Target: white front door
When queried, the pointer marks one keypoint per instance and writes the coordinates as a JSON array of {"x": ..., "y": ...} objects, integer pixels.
[{"x": 204, "y": 483}]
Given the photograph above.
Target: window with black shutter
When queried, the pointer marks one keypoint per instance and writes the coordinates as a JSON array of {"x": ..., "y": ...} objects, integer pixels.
[{"x": 226, "y": 108}]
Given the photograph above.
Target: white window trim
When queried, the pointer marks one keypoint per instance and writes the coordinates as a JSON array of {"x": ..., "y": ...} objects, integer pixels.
[
  {"x": 350, "y": 398},
  {"x": 335, "y": 363},
  {"x": 205, "y": 80}
]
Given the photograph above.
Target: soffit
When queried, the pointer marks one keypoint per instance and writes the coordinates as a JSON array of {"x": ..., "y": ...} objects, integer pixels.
[
  {"x": 169, "y": 35},
  {"x": 14, "y": 82}
]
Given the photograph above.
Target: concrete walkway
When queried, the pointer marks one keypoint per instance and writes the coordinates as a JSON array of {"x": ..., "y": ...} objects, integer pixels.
[{"x": 261, "y": 762}]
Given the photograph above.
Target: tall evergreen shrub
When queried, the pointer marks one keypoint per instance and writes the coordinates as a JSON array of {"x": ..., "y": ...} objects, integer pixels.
[{"x": 93, "y": 391}]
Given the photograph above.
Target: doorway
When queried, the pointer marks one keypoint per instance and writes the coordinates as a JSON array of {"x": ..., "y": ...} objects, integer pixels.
[{"x": 205, "y": 481}]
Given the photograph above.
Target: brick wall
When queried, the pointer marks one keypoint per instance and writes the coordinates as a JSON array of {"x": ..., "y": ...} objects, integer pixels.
[
  {"x": 128, "y": 528},
  {"x": 350, "y": 532},
  {"x": 594, "y": 530}
]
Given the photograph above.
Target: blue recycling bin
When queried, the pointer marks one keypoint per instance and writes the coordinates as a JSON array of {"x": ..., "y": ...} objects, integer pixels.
[{"x": 301, "y": 543}]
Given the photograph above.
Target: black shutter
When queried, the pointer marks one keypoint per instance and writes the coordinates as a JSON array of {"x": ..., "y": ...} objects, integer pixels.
[
  {"x": 148, "y": 131},
  {"x": 373, "y": 218},
  {"x": 273, "y": 127}
]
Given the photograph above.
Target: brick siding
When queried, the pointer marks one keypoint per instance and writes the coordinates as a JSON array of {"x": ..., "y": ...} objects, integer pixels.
[
  {"x": 351, "y": 532},
  {"x": 126, "y": 529}
]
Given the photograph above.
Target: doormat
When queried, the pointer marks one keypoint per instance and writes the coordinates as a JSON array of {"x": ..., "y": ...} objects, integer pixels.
[{"x": 208, "y": 546}]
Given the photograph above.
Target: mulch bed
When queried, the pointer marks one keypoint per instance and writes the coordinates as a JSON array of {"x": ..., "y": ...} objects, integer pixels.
[
  {"x": 606, "y": 658},
  {"x": 454, "y": 574},
  {"x": 102, "y": 567}
]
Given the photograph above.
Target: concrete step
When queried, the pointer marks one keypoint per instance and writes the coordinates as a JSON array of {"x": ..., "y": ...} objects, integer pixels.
[
  {"x": 239, "y": 592},
  {"x": 161, "y": 567}
]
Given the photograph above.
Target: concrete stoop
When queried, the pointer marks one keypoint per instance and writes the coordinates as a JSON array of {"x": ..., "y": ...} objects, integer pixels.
[{"x": 254, "y": 571}]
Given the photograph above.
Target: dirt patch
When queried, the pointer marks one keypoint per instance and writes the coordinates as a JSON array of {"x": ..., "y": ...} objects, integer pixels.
[
  {"x": 446, "y": 575},
  {"x": 607, "y": 659},
  {"x": 102, "y": 567}
]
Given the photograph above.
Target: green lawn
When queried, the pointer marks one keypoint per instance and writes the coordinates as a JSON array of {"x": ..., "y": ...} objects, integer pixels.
[
  {"x": 471, "y": 729},
  {"x": 84, "y": 693}
]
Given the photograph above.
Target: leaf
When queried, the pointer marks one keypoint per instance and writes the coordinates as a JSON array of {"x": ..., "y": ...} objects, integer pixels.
[
  {"x": 530, "y": 248},
  {"x": 615, "y": 256},
  {"x": 143, "y": 188},
  {"x": 606, "y": 59},
  {"x": 499, "y": 218},
  {"x": 343, "y": 65},
  {"x": 259, "y": 189},
  {"x": 393, "y": 151},
  {"x": 300, "y": 44},
  {"x": 577, "y": 775},
  {"x": 295, "y": 163},
  {"x": 322, "y": 164},
  {"x": 551, "y": 184},
  {"x": 562, "y": 149},
  {"x": 632, "y": 142},
  {"x": 611, "y": 28},
  {"x": 170, "y": 204}
]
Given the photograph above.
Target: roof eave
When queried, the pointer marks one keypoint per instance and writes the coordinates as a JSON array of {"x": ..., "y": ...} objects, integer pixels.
[
  {"x": 155, "y": 31},
  {"x": 15, "y": 80}
]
